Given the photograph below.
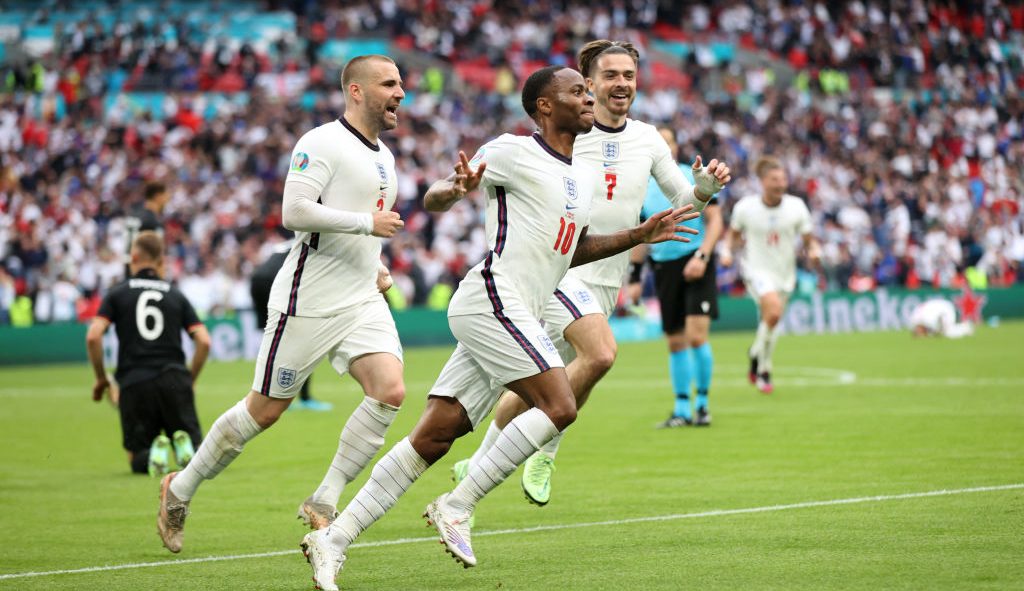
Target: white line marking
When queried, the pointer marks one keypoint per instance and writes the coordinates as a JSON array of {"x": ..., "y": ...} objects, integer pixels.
[{"x": 501, "y": 532}]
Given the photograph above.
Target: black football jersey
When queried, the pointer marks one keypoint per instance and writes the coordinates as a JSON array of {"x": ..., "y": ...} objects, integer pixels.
[{"x": 148, "y": 315}]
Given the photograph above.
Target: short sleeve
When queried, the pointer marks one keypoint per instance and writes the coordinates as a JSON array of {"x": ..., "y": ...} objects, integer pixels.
[
  {"x": 500, "y": 155},
  {"x": 806, "y": 224},
  {"x": 188, "y": 313},
  {"x": 738, "y": 220},
  {"x": 107, "y": 307},
  {"x": 311, "y": 163}
]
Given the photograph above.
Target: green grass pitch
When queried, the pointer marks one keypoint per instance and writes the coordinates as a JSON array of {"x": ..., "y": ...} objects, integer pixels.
[{"x": 746, "y": 504}]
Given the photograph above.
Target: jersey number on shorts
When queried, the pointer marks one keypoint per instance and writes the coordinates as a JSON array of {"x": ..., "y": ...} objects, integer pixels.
[
  {"x": 143, "y": 312},
  {"x": 610, "y": 178},
  {"x": 565, "y": 235}
]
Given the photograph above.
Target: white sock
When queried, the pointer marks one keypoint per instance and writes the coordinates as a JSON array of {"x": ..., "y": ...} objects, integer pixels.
[
  {"x": 551, "y": 448},
  {"x": 359, "y": 442},
  {"x": 489, "y": 438},
  {"x": 517, "y": 441},
  {"x": 389, "y": 479},
  {"x": 222, "y": 444},
  {"x": 759, "y": 340},
  {"x": 764, "y": 360}
]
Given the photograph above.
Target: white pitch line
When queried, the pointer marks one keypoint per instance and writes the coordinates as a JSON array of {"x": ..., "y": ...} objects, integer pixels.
[{"x": 501, "y": 532}]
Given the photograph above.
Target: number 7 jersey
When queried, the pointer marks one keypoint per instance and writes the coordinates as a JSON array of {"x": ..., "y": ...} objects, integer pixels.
[
  {"x": 538, "y": 204},
  {"x": 622, "y": 160}
]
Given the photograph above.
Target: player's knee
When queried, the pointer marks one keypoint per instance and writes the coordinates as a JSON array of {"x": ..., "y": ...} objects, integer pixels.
[
  {"x": 697, "y": 340},
  {"x": 265, "y": 418},
  {"x": 562, "y": 413},
  {"x": 392, "y": 393},
  {"x": 431, "y": 446},
  {"x": 603, "y": 358}
]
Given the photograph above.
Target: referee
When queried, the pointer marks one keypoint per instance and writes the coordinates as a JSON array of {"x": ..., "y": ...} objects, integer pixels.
[
  {"x": 155, "y": 386},
  {"x": 684, "y": 278}
]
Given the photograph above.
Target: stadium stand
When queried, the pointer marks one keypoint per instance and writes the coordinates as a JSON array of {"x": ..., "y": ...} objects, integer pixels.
[{"x": 901, "y": 123}]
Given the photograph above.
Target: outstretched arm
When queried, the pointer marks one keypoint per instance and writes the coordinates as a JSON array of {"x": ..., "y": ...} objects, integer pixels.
[
  {"x": 678, "y": 190},
  {"x": 660, "y": 227},
  {"x": 444, "y": 193}
]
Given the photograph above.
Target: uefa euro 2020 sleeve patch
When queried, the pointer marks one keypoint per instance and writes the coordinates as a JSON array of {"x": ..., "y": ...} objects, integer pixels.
[{"x": 300, "y": 161}]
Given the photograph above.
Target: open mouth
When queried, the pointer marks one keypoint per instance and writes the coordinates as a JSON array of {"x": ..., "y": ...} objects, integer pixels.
[
  {"x": 619, "y": 96},
  {"x": 392, "y": 109}
]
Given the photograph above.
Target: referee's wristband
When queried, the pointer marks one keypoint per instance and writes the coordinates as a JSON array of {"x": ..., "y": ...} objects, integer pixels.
[{"x": 635, "y": 271}]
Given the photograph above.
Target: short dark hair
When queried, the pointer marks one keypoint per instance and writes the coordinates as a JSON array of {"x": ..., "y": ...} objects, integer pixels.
[
  {"x": 536, "y": 85},
  {"x": 591, "y": 52},
  {"x": 153, "y": 189},
  {"x": 356, "y": 67},
  {"x": 150, "y": 245}
]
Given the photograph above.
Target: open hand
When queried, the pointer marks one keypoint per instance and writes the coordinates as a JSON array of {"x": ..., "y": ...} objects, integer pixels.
[
  {"x": 664, "y": 225},
  {"x": 466, "y": 179}
]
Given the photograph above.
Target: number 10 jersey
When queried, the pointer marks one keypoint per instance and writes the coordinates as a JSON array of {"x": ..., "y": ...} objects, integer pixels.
[{"x": 538, "y": 203}]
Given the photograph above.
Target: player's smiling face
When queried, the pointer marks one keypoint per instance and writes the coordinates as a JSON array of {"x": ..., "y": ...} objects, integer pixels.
[
  {"x": 774, "y": 183},
  {"x": 614, "y": 83},
  {"x": 383, "y": 94},
  {"x": 572, "y": 107}
]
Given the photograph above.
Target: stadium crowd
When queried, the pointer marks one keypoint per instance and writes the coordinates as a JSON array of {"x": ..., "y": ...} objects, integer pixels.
[{"x": 901, "y": 123}]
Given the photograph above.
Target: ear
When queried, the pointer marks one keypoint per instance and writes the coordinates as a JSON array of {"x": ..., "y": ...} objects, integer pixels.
[
  {"x": 544, "y": 106},
  {"x": 355, "y": 90},
  {"x": 590, "y": 85}
]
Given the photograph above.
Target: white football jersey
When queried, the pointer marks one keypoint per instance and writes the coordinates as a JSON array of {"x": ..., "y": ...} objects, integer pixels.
[
  {"x": 328, "y": 272},
  {"x": 936, "y": 316},
  {"x": 624, "y": 159},
  {"x": 771, "y": 237},
  {"x": 538, "y": 203}
]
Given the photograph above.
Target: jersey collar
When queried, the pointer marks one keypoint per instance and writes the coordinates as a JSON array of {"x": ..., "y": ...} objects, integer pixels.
[
  {"x": 551, "y": 150},
  {"x": 362, "y": 138},
  {"x": 147, "y": 273},
  {"x": 607, "y": 129}
]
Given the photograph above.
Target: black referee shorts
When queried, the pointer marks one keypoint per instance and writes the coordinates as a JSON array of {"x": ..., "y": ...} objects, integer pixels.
[
  {"x": 680, "y": 298},
  {"x": 164, "y": 403}
]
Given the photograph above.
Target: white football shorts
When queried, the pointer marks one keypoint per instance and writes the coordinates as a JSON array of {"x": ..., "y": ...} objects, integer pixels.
[
  {"x": 292, "y": 346},
  {"x": 758, "y": 284},
  {"x": 494, "y": 349},
  {"x": 573, "y": 300}
]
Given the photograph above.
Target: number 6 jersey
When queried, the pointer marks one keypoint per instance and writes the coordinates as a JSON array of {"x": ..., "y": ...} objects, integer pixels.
[
  {"x": 538, "y": 203},
  {"x": 148, "y": 315}
]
